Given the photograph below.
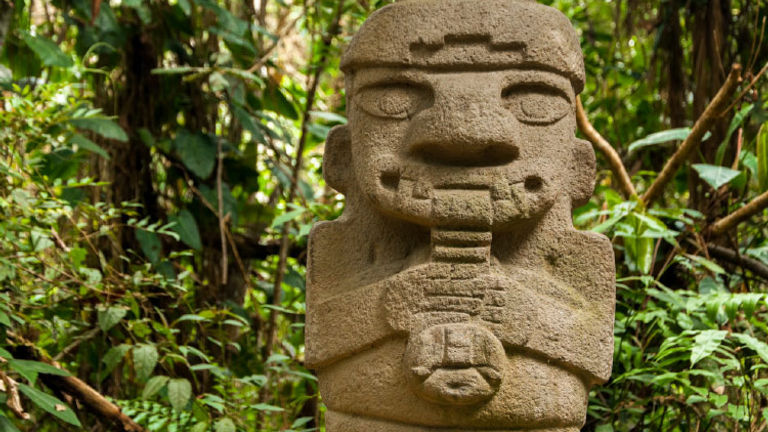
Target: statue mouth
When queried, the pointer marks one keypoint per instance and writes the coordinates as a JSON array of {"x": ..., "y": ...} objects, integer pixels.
[{"x": 484, "y": 197}]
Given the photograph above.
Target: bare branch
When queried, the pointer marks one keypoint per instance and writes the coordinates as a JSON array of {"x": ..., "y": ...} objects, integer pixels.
[
  {"x": 600, "y": 143},
  {"x": 750, "y": 209},
  {"x": 702, "y": 125},
  {"x": 732, "y": 256}
]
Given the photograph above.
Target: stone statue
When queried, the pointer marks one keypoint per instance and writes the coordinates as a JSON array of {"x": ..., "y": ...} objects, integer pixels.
[{"x": 454, "y": 293}]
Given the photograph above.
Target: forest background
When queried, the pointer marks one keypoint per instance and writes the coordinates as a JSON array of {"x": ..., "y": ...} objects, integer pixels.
[{"x": 160, "y": 169}]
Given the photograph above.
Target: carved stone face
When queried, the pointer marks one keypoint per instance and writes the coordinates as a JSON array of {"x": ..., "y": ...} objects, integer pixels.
[
  {"x": 475, "y": 148},
  {"x": 461, "y": 113}
]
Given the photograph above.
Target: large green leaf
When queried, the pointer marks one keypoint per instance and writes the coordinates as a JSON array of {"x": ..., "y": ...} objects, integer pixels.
[
  {"x": 714, "y": 175},
  {"x": 197, "y": 152},
  {"x": 48, "y": 52},
  {"x": 144, "y": 360},
  {"x": 150, "y": 244},
  {"x": 705, "y": 343},
  {"x": 179, "y": 393},
  {"x": 50, "y": 404},
  {"x": 187, "y": 229},
  {"x": 102, "y": 126},
  {"x": 659, "y": 137}
]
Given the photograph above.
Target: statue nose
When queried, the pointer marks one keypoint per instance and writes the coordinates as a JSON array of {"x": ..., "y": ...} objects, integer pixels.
[{"x": 463, "y": 135}]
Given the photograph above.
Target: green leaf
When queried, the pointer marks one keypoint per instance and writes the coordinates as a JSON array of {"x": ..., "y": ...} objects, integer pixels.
[
  {"x": 192, "y": 317},
  {"x": 185, "y": 6},
  {"x": 150, "y": 244},
  {"x": 86, "y": 144},
  {"x": 224, "y": 425},
  {"x": 179, "y": 393},
  {"x": 48, "y": 52},
  {"x": 50, "y": 404},
  {"x": 113, "y": 357},
  {"x": 5, "y": 354},
  {"x": 200, "y": 427},
  {"x": 659, "y": 137},
  {"x": 4, "y": 319},
  {"x": 288, "y": 216},
  {"x": 102, "y": 126},
  {"x": 109, "y": 317},
  {"x": 154, "y": 385},
  {"x": 29, "y": 369},
  {"x": 715, "y": 175},
  {"x": 144, "y": 360},
  {"x": 705, "y": 343},
  {"x": 761, "y": 348},
  {"x": 762, "y": 157},
  {"x": 329, "y": 117},
  {"x": 186, "y": 228},
  {"x": 736, "y": 122},
  {"x": 176, "y": 70},
  {"x": 266, "y": 407},
  {"x": 197, "y": 152},
  {"x": 249, "y": 123}
]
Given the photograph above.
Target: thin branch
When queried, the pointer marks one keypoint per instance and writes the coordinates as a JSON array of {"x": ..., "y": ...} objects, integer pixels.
[
  {"x": 702, "y": 125},
  {"x": 750, "y": 209},
  {"x": 601, "y": 144},
  {"x": 732, "y": 256},
  {"x": 222, "y": 219}
]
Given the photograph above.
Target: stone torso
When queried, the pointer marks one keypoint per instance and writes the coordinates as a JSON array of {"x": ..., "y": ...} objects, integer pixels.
[{"x": 454, "y": 293}]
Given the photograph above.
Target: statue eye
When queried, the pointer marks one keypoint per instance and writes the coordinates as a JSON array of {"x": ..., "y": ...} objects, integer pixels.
[
  {"x": 395, "y": 101},
  {"x": 535, "y": 104}
]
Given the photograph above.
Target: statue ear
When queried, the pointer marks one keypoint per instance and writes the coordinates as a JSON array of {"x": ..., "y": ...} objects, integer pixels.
[
  {"x": 583, "y": 166},
  {"x": 337, "y": 159}
]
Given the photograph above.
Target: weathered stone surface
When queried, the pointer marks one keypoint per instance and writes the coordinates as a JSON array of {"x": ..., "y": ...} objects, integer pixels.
[{"x": 454, "y": 293}]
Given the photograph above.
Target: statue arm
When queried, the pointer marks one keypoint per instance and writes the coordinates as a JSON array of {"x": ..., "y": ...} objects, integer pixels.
[{"x": 345, "y": 324}]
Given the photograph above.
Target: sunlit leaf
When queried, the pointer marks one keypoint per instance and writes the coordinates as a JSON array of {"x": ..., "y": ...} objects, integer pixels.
[
  {"x": 705, "y": 343},
  {"x": 715, "y": 176}
]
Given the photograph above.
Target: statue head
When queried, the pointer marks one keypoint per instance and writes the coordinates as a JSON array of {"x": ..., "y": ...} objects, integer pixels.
[{"x": 453, "y": 125}]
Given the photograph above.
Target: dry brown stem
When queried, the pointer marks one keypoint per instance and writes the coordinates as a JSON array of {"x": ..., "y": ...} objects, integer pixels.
[
  {"x": 602, "y": 145},
  {"x": 750, "y": 209},
  {"x": 702, "y": 125}
]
